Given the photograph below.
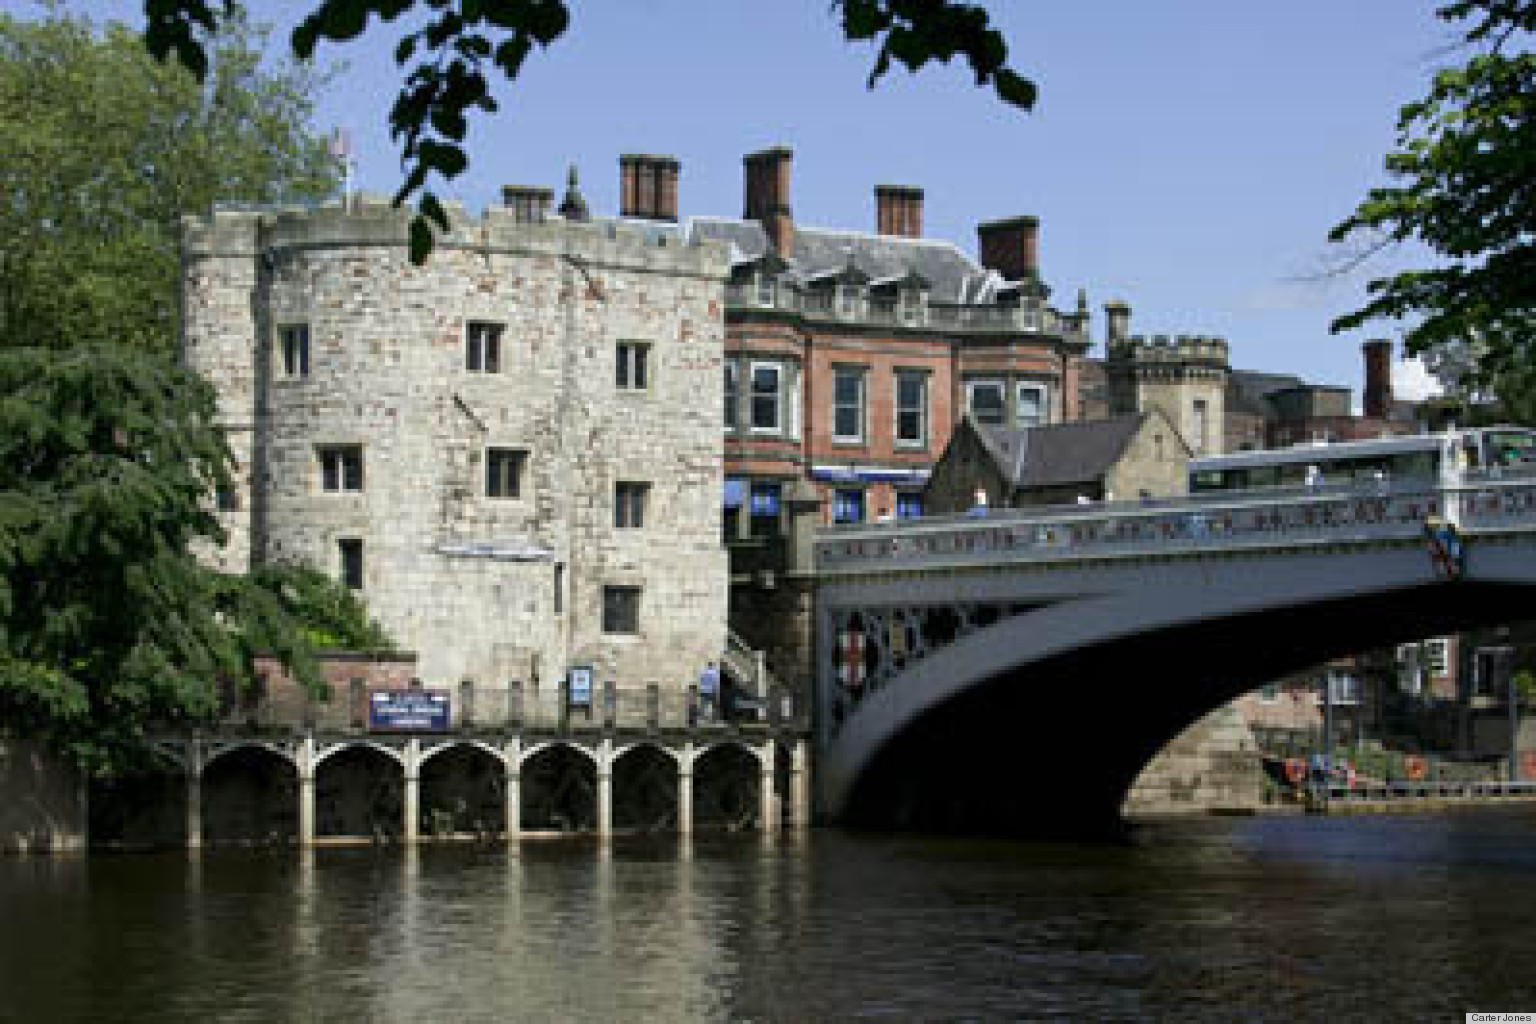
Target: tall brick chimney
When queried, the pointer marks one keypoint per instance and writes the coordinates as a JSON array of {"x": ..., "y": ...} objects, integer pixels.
[
  {"x": 899, "y": 210},
  {"x": 1378, "y": 378},
  {"x": 767, "y": 198},
  {"x": 1011, "y": 247},
  {"x": 648, "y": 187}
]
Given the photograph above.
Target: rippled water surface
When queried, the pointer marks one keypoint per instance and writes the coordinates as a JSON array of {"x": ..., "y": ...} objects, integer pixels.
[{"x": 1386, "y": 918}]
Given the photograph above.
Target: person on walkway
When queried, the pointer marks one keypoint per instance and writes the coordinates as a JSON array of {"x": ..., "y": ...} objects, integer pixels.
[
  {"x": 978, "y": 509},
  {"x": 709, "y": 692}
]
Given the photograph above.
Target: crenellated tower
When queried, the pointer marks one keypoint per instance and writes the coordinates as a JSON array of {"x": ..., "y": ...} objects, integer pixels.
[{"x": 1185, "y": 376}]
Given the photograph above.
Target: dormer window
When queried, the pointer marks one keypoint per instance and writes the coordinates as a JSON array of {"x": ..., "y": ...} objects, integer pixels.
[
  {"x": 766, "y": 288},
  {"x": 847, "y": 301},
  {"x": 903, "y": 297},
  {"x": 911, "y": 304}
]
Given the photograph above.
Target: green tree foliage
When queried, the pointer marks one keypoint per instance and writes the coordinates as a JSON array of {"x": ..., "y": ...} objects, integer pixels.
[
  {"x": 109, "y": 453},
  {"x": 105, "y": 149},
  {"x": 446, "y": 62},
  {"x": 106, "y": 621},
  {"x": 328, "y": 615},
  {"x": 1464, "y": 185}
]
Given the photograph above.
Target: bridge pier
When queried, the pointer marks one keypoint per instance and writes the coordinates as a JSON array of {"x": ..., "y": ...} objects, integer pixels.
[
  {"x": 768, "y": 800},
  {"x": 411, "y": 803},
  {"x": 195, "y": 795},
  {"x": 685, "y": 789},
  {"x": 605, "y": 787},
  {"x": 305, "y": 767},
  {"x": 512, "y": 754},
  {"x": 799, "y": 785}
]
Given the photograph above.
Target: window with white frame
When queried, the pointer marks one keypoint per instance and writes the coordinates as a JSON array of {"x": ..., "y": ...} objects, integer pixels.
[
  {"x": 848, "y": 404},
  {"x": 986, "y": 401},
  {"x": 1438, "y": 656},
  {"x": 1031, "y": 404},
  {"x": 1343, "y": 687},
  {"x": 767, "y": 385},
  {"x": 293, "y": 342},
  {"x": 765, "y": 289},
  {"x": 482, "y": 347},
  {"x": 847, "y": 301},
  {"x": 341, "y": 468},
  {"x": 911, "y": 408},
  {"x": 631, "y": 365}
]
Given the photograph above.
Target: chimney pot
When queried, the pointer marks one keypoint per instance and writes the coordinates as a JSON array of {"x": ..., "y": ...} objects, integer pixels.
[
  {"x": 529, "y": 204},
  {"x": 899, "y": 211},
  {"x": 648, "y": 187},
  {"x": 767, "y": 196},
  {"x": 1011, "y": 247}
]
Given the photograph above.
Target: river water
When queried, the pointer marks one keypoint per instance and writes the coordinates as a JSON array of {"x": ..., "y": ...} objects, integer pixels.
[{"x": 1365, "y": 918}]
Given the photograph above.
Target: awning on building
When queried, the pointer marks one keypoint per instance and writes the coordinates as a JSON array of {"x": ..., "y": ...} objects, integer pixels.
[{"x": 869, "y": 474}]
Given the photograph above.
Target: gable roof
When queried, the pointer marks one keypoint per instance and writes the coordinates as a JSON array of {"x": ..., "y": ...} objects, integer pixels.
[{"x": 1060, "y": 453}]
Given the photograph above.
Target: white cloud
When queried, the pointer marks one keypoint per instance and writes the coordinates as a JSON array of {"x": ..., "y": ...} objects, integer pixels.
[{"x": 1412, "y": 381}]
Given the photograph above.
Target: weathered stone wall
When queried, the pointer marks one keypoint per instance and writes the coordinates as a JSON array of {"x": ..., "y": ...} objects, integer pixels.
[
  {"x": 1214, "y": 765},
  {"x": 221, "y": 328},
  {"x": 964, "y": 466},
  {"x": 42, "y": 803},
  {"x": 1144, "y": 375},
  {"x": 388, "y": 374},
  {"x": 1155, "y": 463}
]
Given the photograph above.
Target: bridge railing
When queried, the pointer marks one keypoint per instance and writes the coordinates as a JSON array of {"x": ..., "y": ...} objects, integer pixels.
[{"x": 1280, "y": 517}]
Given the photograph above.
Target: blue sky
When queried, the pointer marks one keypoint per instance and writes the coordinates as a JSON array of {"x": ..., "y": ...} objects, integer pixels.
[{"x": 1186, "y": 156}]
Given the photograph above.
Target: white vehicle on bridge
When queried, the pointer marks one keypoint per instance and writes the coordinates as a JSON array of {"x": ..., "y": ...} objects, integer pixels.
[{"x": 1443, "y": 458}]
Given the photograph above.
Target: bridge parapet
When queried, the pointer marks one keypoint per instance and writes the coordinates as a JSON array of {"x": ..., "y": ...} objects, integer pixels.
[{"x": 1278, "y": 518}]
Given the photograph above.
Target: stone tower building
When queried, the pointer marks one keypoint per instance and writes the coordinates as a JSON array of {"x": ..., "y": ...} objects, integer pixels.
[
  {"x": 1185, "y": 377},
  {"x": 513, "y": 451}
]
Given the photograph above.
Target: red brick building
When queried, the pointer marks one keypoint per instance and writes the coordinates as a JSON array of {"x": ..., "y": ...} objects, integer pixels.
[{"x": 850, "y": 356}]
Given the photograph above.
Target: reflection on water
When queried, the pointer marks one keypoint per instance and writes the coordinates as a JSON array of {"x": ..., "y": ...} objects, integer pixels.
[{"x": 1282, "y": 919}]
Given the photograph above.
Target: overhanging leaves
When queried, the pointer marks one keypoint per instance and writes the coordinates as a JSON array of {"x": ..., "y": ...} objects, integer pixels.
[{"x": 445, "y": 72}]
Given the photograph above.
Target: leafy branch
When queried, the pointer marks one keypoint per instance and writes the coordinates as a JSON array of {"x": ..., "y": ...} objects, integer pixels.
[{"x": 447, "y": 63}]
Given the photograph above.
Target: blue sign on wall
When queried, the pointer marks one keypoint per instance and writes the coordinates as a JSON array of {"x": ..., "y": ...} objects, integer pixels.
[
  {"x": 408, "y": 711},
  {"x": 581, "y": 687}
]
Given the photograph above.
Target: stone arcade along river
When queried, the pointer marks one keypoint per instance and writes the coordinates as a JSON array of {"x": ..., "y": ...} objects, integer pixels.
[{"x": 1379, "y": 918}]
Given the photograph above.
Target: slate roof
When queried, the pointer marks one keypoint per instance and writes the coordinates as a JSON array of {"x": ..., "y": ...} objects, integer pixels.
[
  {"x": 1060, "y": 453},
  {"x": 1249, "y": 391},
  {"x": 952, "y": 276}
]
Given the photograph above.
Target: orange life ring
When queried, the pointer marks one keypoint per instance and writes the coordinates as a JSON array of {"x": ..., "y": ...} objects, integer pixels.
[
  {"x": 1416, "y": 767},
  {"x": 1295, "y": 770}
]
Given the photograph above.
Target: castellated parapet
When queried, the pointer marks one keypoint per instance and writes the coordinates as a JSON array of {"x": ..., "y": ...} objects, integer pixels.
[
  {"x": 476, "y": 493},
  {"x": 1185, "y": 376}
]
